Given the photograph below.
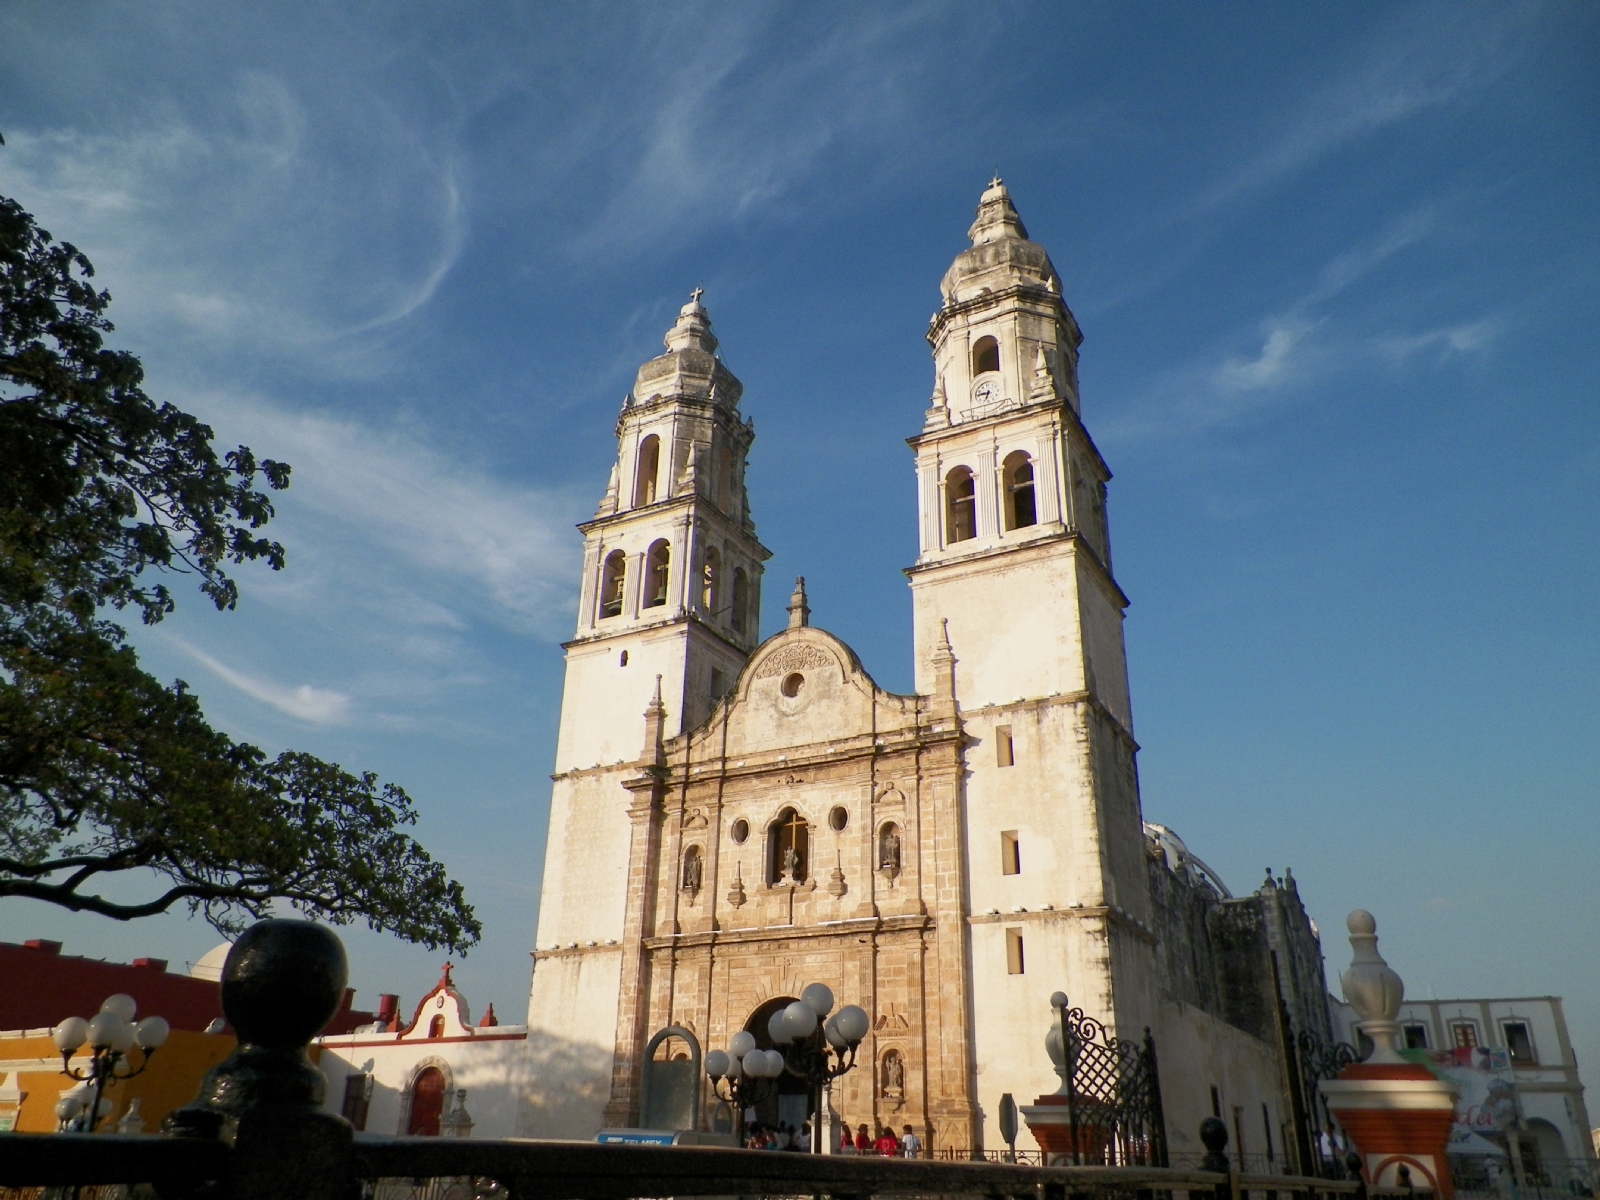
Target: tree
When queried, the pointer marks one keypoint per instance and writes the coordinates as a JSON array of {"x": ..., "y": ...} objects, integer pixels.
[{"x": 105, "y": 496}]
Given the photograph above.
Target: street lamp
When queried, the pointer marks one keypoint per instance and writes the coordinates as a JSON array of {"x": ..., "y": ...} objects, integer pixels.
[
  {"x": 742, "y": 1074},
  {"x": 111, "y": 1034},
  {"x": 819, "y": 1056}
]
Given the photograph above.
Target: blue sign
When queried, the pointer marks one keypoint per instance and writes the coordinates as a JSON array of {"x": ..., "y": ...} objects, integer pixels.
[{"x": 635, "y": 1137}]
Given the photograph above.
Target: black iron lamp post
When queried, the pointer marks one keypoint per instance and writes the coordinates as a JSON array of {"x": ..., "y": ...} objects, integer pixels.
[
  {"x": 818, "y": 1055},
  {"x": 111, "y": 1035},
  {"x": 743, "y": 1075}
]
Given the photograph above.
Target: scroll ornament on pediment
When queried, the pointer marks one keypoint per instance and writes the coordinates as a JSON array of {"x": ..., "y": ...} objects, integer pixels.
[{"x": 794, "y": 658}]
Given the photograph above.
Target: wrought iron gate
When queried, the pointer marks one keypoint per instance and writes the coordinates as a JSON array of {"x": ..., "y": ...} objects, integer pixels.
[{"x": 1114, "y": 1096}]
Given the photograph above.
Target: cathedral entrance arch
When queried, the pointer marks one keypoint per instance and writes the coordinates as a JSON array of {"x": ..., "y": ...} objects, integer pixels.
[{"x": 790, "y": 1103}]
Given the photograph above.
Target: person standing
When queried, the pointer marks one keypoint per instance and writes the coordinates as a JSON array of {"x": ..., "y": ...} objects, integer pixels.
[
  {"x": 847, "y": 1141},
  {"x": 802, "y": 1140},
  {"x": 863, "y": 1140},
  {"x": 910, "y": 1143},
  {"x": 887, "y": 1145}
]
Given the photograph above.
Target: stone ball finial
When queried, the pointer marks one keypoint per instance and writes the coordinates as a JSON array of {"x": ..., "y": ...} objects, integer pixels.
[
  {"x": 1214, "y": 1137},
  {"x": 1372, "y": 987},
  {"x": 282, "y": 982}
]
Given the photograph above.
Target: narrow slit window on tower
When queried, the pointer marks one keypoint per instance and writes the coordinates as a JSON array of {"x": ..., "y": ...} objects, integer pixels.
[
  {"x": 644, "y": 480},
  {"x": 711, "y": 583},
  {"x": 657, "y": 568},
  {"x": 1010, "y": 853},
  {"x": 1014, "y": 951},
  {"x": 961, "y": 508},
  {"x": 741, "y": 600},
  {"x": 985, "y": 356},
  {"x": 1020, "y": 510},
  {"x": 612, "y": 578},
  {"x": 1005, "y": 754},
  {"x": 719, "y": 685}
]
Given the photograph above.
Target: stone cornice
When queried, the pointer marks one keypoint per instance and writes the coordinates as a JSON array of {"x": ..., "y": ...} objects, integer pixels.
[
  {"x": 886, "y": 743},
  {"x": 848, "y": 928},
  {"x": 1038, "y": 702},
  {"x": 1082, "y": 912},
  {"x": 1003, "y": 555},
  {"x": 1028, "y": 294}
]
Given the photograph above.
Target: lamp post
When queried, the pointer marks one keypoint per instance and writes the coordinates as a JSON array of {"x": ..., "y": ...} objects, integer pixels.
[
  {"x": 818, "y": 1055},
  {"x": 742, "y": 1075},
  {"x": 111, "y": 1035}
]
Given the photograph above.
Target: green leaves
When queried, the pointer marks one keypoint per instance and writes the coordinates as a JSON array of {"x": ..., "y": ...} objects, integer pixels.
[{"x": 104, "y": 770}]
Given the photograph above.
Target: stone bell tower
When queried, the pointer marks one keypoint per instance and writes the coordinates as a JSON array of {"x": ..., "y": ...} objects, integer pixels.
[
  {"x": 1015, "y": 562},
  {"x": 668, "y": 611}
]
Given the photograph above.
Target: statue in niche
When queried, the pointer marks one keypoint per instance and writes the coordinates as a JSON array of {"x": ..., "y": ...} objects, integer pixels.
[
  {"x": 692, "y": 870},
  {"x": 889, "y": 849},
  {"x": 791, "y": 865},
  {"x": 894, "y": 1075}
]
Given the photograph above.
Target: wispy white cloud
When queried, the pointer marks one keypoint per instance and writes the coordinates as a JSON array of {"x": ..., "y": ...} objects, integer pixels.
[
  {"x": 503, "y": 550},
  {"x": 238, "y": 237},
  {"x": 1272, "y": 366},
  {"x": 1451, "y": 340},
  {"x": 318, "y": 706},
  {"x": 1297, "y": 346},
  {"x": 1415, "y": 65}
]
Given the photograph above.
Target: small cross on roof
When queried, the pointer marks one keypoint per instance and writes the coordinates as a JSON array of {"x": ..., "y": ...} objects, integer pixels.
[{"x": 696, "y": 294}]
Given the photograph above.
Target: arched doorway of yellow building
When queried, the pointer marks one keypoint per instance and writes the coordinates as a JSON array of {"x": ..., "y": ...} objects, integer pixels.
[{"x": 790, "y": 1102}]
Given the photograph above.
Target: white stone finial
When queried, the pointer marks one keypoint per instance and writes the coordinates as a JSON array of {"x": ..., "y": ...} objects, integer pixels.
[
  {"x": 799, "y": 609},
  {"x": 1372, "y": 988}
]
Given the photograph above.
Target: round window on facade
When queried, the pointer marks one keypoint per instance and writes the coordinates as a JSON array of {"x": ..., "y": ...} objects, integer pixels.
[
  {"x": 838, "y": 819},
  {"x": 739, "y": 831},
  {"x": 792, "y": 684}
]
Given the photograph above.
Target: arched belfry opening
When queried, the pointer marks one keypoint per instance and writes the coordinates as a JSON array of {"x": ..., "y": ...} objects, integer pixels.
[
  {"x": 788, "y": 848},
  {"x": 657, "y": 568},
  {"x": 613, "y": 577},
  {"x": 985, "y": 356},
  {"x": 790, "y": 1103},
  {"x": 961, "y": 506},
  {"x": 644, "y": 479},
  {"x": 1020, "y": 508},
  {"x": 711, "y": 583}
]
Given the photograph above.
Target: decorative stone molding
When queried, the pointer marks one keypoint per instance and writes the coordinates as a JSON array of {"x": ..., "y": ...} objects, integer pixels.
[{"x": 794, "y": 658}]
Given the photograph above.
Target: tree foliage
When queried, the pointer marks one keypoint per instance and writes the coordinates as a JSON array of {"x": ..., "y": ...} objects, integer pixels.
[{"x": 105, "y": 495}]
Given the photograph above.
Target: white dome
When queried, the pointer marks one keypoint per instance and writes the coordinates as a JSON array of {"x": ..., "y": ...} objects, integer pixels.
[{"x": 210, "y": 964}]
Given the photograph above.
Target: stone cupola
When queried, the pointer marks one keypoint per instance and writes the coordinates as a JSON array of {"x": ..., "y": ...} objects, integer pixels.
[{"x": 690, "y": 368}]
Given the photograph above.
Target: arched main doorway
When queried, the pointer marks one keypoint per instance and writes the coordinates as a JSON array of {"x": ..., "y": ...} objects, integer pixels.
[
  {"x": 427, "y": 1103},
  {"x": 791, "y": 1102}
]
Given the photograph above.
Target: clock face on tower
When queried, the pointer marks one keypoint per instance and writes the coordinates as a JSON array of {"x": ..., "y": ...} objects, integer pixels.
[{"x": 986, "y": 391}]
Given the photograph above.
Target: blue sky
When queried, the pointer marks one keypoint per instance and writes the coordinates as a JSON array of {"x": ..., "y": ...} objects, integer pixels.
[{"x": 1334, "y": 264}]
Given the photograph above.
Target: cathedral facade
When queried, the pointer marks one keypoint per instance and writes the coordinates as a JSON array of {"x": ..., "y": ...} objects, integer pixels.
[{"x": 946, "y": 859}]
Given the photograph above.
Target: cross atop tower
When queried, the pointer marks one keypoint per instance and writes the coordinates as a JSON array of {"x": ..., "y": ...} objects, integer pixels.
[{"x": 696, "y": 294}]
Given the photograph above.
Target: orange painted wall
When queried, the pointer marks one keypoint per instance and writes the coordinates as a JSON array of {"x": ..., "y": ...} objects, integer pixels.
[{"x": 172, "y": 1080}]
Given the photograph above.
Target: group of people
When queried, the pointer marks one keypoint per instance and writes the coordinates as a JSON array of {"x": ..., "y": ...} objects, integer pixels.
[
  {"x": 778, "y": 1137},
  {"x": 886, "y": 1144}
]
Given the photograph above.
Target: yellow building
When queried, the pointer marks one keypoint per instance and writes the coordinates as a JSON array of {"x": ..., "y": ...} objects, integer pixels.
[{"x": 32, "y": 1082}]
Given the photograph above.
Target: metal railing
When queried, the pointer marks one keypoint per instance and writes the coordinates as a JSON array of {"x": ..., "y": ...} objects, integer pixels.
[{"x": 256, "y": 1132}]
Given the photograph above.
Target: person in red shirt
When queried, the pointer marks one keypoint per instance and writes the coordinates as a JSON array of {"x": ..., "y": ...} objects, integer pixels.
[
  {"x": 887, "y": 1144},
  {"x": 863, "y": 1140}
]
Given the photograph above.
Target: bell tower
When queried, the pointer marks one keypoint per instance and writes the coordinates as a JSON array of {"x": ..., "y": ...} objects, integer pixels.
[
  {"x": 671, "y": 563},
  {"x": 668, "y": 611},
  {"x": 1015, "y": 563}
]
